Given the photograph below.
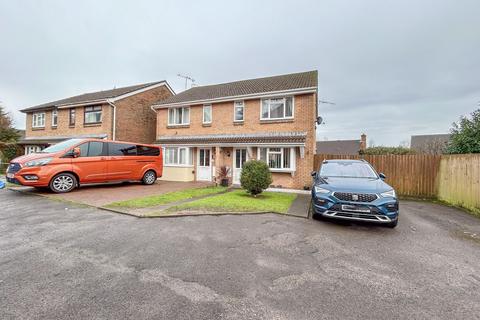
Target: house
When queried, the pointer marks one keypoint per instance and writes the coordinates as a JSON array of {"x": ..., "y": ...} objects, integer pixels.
[
  {"x": 271, "y": 119},
  {"x": 342, "y": 147},
  {"x": 117, "y": 114},
  {"x": 430, "y": 143}
]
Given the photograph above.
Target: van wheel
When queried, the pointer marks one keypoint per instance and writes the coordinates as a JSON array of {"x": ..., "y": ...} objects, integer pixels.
[
  {"x": 63, "y": 182},
  {"x": 149, "y": 177}
]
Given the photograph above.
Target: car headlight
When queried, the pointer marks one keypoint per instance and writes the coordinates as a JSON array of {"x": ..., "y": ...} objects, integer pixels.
[
  {"x": 38, "y": 162},
  {"x": 389, "y": 194},
  {"x": 321, "y": 190}
]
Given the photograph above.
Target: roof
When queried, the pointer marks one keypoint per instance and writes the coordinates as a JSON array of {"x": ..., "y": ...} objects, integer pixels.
[
  {"x": 100, "y": 96},
  {"x": 293, "y": 81},
  {"x": 430, "y": 143},
  {"x": 56, "y": 139},
  {"x": 259, "y": 138},
  {"x": 340, "y": 147}
]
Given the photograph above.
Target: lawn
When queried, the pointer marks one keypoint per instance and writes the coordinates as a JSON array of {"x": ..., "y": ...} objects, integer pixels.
[
  {"x": 155, "y": 200},
  {"x": 240, "y": 201}
]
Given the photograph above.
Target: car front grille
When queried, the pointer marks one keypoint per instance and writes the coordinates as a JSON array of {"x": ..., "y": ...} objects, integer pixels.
[
  {"x": 355, "y": 197},
  {"x": 13, "y": 167}
]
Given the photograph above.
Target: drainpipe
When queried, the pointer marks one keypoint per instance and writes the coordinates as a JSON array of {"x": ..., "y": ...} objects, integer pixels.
[{"x": 114, "y": 124}]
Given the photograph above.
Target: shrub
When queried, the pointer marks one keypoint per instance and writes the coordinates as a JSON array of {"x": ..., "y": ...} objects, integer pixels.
[{"x": 255, "y": 177}]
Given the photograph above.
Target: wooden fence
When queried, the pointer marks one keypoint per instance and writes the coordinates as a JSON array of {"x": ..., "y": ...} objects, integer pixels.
[{"x": 410, "y": 175}]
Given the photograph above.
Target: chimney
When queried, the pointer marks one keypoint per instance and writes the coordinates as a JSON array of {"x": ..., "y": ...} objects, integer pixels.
[{"x": 363, "y": 141}]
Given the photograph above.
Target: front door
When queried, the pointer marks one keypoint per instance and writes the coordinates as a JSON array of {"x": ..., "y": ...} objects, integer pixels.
[
  {"x": 240, "y": 156},
  {"x": 204, "y": 165}
]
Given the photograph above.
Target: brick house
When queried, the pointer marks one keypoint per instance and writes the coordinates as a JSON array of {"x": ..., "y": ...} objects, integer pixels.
[
  {"x": 117, "y": 114},
  {"x": 271, "y": 119}
]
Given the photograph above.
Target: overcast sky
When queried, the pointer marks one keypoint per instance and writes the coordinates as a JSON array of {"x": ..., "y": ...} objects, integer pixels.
[{"x": 393, "y": 68}]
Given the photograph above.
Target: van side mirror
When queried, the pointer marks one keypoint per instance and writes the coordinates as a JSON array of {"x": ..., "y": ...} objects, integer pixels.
[
  {"x": 76, "y": 152},
  {"x": 382, "y": 176},
  {"x": 313, "y": 174}
]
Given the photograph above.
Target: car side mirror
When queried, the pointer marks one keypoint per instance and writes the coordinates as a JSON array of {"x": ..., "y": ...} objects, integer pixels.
[
  {"x": 382, "y": 176},
  {"x": 313, "y": 174},
  {"x": 76, "y": 152}
]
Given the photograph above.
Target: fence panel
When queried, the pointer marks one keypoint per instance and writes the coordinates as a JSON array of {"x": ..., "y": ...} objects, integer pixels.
[{"x": 410, "y": 175}]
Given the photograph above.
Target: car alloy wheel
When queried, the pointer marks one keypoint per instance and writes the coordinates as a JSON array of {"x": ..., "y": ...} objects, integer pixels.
[
  {"x": 149, "y": 177},
  {"x": 63, "y": 183}
]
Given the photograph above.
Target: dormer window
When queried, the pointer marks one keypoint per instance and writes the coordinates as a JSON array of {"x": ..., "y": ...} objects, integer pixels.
[{"x": 277, "y": 108}]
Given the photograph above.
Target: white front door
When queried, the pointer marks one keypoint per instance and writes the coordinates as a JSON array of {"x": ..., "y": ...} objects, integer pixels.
[
  {"x": 240, "y": 156},
  {"x": 204, "y": 164}
]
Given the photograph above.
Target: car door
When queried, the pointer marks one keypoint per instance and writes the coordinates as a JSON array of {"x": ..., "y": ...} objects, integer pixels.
[
  {"x": 91, "y": 165},
  {"x": 122, "y": 161}
]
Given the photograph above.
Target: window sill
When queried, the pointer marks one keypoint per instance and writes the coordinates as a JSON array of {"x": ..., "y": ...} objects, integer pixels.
[
  {"x": 54, "y": 127},
  {"x": 238, "y": 123},
  {"x": 173, "y": 126},
  {"x": 276, "y": 120},
  {"x": 206, "y": 124},
  {"x": 71, "y": 126},
  {"x": 96, "y": 124},
  {"x": 179, "y": 165},
  {"x": 38, "y": 128},
  {"x": 282, "y": 170}
]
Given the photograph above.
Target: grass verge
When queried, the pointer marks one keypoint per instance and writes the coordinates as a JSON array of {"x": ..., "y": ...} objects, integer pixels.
[
  {"x": 241, "y": 201},
  {"x": 155, "y": 200}
]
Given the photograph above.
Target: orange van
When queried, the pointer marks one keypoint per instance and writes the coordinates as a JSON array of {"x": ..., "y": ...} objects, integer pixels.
[{"x": 68, "y": 164}]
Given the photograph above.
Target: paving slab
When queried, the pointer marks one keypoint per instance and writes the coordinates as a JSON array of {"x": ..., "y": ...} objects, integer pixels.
[{"x": 299, "y": 207}]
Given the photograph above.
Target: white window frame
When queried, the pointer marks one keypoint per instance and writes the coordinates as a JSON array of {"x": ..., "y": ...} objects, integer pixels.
[
  {"x": 55, "y": 116},
  {"x": 176, "y": 114},
  {"x": 284, "y": 107},
  {"x": 36, "y": 120},
  {"x": 235, "y": 110},
  {"x": 32, "y": 149},
  {"x": 206, "y": 107},
  {"x": 94, "y": 110},
  {"x": 283, "y": 169},
  {"x": 188, "y": 157}
]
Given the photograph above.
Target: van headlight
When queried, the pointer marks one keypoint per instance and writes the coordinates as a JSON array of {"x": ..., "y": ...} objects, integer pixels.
[
  {"x": 321, "y": 190},
  {"x": 38, "y": 162},
  {"x": 389, "y": 194}
]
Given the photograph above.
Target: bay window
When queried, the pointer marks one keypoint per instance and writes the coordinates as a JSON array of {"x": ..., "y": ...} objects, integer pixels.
[
  {"x": 238, "y": 111},
  {"x": 207, "y": 113},
  {"x": 38, "y": 120},
  {"x": 178, "y": 156},
  {"x": 278, "y": 159},
  {"x": 93, "y": 114},
  {"x": 277, "y": 108},
  {"x": 178, "y": 116}
]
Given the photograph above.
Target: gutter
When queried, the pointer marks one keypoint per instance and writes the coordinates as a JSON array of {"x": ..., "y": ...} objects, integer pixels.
[{"x": 114, "y": 118}]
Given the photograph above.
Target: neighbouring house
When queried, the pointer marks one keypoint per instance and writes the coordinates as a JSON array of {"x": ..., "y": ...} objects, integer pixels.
[
  {"x": 270, "y": 119},
  {"x": 430, "y": 143},
  {"x": 342, "y": 147},
  {"x": 117, "y": 114}
]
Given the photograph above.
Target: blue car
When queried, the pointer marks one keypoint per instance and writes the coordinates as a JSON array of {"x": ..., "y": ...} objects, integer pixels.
[{"x": 353, "y": 190}]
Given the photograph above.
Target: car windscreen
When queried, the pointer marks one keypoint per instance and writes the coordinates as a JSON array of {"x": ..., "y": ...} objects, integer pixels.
[
  {"x": 347, "y": 170},
  {"x": 61, "y": 146}
]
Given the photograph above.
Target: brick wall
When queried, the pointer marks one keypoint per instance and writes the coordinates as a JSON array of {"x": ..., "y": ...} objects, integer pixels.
[{"x": 222, "y": 123}]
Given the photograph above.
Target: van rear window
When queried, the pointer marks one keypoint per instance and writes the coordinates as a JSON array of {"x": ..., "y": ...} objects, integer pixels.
[
  {"x": 121, "y": 149},
  {"x": 147, "y": 151}
]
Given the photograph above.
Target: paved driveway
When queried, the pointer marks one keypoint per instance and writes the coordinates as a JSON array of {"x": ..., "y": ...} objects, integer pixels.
[{"x": 65, "y": 262}]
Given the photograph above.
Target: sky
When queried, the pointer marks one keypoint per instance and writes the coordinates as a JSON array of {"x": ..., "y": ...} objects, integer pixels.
[{"x": 392, "y": 68}]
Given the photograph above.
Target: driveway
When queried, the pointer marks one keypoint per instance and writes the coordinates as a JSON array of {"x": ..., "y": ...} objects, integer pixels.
[
  {"x": 100, "y": 195},
  {"x": 60, "y": 261}
]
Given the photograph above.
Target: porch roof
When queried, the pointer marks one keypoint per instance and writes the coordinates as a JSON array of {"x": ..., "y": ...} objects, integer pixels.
[{"x": 293, "y": 138}]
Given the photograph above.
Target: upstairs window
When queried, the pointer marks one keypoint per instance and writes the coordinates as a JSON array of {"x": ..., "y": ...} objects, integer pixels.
[
  {"x": 38, "y": 120},
  {"x": 93, "y": 114},
  {"x": 238, "y": 111},
  {"x": 179, "y": 116},
  {"x": 207, "y": 113},
  {"x": 71, "y": 117},
  {"x": 54, "y": 117},
  {"x": 277, "y": 108},
  {"x": 278, "y": 158}
]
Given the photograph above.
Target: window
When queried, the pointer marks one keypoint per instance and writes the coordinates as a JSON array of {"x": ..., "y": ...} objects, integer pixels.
[
  {"x": 238, "y": 110},
  {"x": 121, "y": 149},
  {"x": 148, "y": 151},
  {"x": 32, "y": 149},
  {"x": 71, "y": 117},
  {"x": 277, "y": 108},
  {"x": 93, "y": 114},
  {"x": 91, "y": 149},
  {"x": 38, "y": 120},
  {"x": 278, "y": 158},
  {"x": 54, "y": 117},
  {"x": 178, "y": 156},
  {"x": 178, "y": 116},
  {"x": 207, "y": 113}
]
